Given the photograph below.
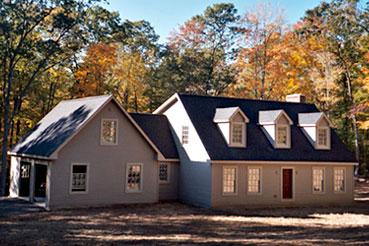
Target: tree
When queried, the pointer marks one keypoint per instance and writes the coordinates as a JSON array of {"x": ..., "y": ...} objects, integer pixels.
[
  {"x": 35, "y": 37},
  {"x": 199, "y": 54},
  {"x": 339, "y": 25}
]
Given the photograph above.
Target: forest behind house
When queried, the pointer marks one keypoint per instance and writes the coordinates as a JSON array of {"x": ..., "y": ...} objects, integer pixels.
[{"x": 52, "y": 50}]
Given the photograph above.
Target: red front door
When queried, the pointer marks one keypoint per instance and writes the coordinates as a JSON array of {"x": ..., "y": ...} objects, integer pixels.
[{"x": 287, "y": 183}]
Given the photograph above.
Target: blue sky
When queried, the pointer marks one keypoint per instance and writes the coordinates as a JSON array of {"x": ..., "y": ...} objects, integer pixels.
[{"x": 166, "y": 15}]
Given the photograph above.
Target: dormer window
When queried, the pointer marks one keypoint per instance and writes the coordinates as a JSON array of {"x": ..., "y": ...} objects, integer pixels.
[
  {"x": 282, "y": 135},
  {"x": 237, "y": 133},
  {"x": 232, "y": 123},
  {"x": 277, "y": 126},
  {"x": 316, "y": 128}
]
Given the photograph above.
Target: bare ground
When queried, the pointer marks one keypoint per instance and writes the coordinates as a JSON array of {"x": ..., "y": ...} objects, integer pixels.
[{"x": 175, "y": 223}]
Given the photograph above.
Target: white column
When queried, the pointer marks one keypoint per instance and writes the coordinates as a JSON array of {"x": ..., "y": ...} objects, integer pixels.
[
  {"x": 14, "y": 176},
  {"x": 47, "y": 201},
  {"x": 32, "y": 182}
]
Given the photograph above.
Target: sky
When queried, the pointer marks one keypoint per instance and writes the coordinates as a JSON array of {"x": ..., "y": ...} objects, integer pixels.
[{"x": 166, "y": 15}]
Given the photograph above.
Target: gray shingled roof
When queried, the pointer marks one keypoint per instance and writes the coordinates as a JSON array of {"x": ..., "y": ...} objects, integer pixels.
[
  {"x": 201, "y": 110},
  {"x": 310, "y": 118},
  {"x": 58, "y": 125},
  {"x": 158, "y": 129},
  {"x": 224, "y": 114},
  {"x": 269, "y": 116}
]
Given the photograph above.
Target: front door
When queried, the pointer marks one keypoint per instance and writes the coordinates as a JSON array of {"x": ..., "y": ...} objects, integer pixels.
[{"x": 287, "y": 183}]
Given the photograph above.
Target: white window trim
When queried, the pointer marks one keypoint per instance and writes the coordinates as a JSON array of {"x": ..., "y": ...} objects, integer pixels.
[
  {"x": 282, "y": 146},
  {"x": 293, "y": 184},
  {"x": 102, "y": 142},
  {"x": 317, "y": 145},
  {"x": 243, "y": 140},
  {"x": 344, "y": 178},
  {"x": 261, "y": 180},
  {"x": 324, "y": 181},
  {"x": 168, "y": 172},
  {"x": 236, "y": 184},
  {"x": 126, "y": 177},
  {"x": 71, "y": 178}
]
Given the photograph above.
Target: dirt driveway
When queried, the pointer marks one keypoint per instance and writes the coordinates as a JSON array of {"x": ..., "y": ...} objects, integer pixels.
[{"x": 170, "y": 223}]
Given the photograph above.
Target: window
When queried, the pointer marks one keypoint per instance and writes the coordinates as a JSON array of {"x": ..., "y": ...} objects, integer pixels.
[
  {"x": 318, "y": 180},
  {"x": 79, "y": 178},
  {"x": 339, "y": 179},
  {"x": 164, "y": 173},
  {"x": 25, "y": 171},
  {"x": 109, "y": 134},
  {"x": 229, "y": 180},
  {"x": 134, "y": 178},
  {"x": 254, "y": 180},
  {"x": 237, "y": 133},
  {"x": 282, "y": 135},
  {"x": 185, "y": 134},
  {"x": 323, "y": 137}
]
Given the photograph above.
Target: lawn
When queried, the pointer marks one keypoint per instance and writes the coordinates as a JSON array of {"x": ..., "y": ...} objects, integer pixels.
[{"x": 169, "y": 223}]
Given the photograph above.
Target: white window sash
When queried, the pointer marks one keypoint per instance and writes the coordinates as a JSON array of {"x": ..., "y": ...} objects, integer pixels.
[{"x": 134, "y": 190}]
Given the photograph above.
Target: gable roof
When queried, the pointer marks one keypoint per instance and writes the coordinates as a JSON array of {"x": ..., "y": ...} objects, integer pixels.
[
  {"x": 58, "y": 125},
  {"x": 158, "y": 129},
  {"x": 312, "y": 118},
  {"x": 62, "y": 123},
  {"x": 271, "y": 116},
  {"x": 201, "y": 110},
  {"x": 226, "y": 114}
]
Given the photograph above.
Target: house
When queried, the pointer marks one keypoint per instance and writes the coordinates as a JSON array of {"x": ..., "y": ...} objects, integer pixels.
[{"x": 202, "y": 150}]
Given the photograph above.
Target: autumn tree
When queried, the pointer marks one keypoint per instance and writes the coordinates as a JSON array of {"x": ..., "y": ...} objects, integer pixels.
[
  {"x": 35, "y": 37},
  {"x": 197, "y": 58}
]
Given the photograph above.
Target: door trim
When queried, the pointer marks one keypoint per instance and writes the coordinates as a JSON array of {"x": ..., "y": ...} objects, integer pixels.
[{"x": 293, "y": 184}]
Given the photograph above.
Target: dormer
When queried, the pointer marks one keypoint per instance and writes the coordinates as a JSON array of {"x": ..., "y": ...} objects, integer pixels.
[
  {"x": 277, "y": 126},
  {"x": 317, "y": 129},
  {"x": 232, "y": 123}
]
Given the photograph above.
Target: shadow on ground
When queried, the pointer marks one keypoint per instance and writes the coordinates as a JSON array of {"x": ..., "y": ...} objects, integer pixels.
[{"x": 175, "y": 223}]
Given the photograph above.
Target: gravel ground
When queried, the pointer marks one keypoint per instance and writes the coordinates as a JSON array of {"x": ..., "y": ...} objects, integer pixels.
[{"x": 175, "y": 223}]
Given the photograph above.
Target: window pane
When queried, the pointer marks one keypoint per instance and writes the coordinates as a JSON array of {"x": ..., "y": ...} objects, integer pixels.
[
  {"x": 237, "y": 133},
  {"x": 229, "y": 180},
  {"x": 318, "y": 179},
  {"x": 254, "y": 179},
  {"x": 322, "y": 137},
  {"x": 134, "y": 177},
  {"x": 79, "y": 177},
  {"x": 109, "y": 131},
  {"x": 163, "y": 172},
  {"x": 185, "y": 134},
  {"x": 339, "y": 180},
  {"x": 282, "y": 135}
]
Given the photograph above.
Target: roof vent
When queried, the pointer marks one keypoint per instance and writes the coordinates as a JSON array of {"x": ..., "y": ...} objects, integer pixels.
[{"x": 297, "y": 98}]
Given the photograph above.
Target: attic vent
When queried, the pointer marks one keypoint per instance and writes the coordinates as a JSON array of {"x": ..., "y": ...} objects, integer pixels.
[{"x": 297, "y": 98}]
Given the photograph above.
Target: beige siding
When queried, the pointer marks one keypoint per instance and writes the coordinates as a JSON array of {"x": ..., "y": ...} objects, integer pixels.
[
  {"x": 107, "y": 165},
  {"x": 271, "y": 187},
  {"x": 169, "y": 191}
]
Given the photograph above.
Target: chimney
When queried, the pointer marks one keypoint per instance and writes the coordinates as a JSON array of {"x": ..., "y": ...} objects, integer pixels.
[{"x": 297, "y": 98}]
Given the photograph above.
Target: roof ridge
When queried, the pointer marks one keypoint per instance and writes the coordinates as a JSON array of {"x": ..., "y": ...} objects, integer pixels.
[
  {"x": 86, "y": 98},
  {"x": 245, "y": 99}
]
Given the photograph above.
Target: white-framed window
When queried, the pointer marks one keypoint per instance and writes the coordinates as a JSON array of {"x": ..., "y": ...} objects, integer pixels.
[
  {"x": 164, "y": 172},
  {"x": 254, "y": 180},
  {"x": 282, "y": 138},
  {"x": 318, "y": 179},
  {"x": 339, "y": 179},
  {"x": 109, "y": 132},
  {"x": 229, "y": 180},
  {"x": 134, "y": 177},
  {"x": 185, "y": 133},
  {"x": 237, "y": 134},
  {"x": 79, "y": 178},
  {"x": 323, "y": 137}
]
